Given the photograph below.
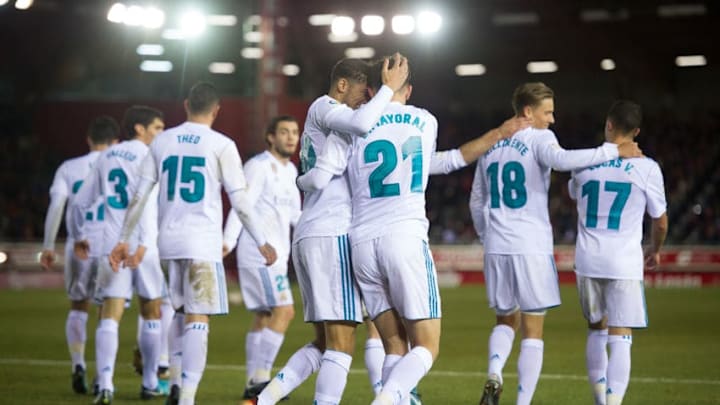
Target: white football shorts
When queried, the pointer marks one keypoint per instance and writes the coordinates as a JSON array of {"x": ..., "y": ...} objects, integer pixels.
[
  {"x": 147, "y": 280},
  {"x": 80, "y": 275},
  {"x": 397, "y": 271},
  {"x": 265, "y": 287},
  {"x": 622, "y": 301},
  {"x": 327, "y": 285},
  {"x": 197, "y": 286},
  {"x": 525, "y": 282}
]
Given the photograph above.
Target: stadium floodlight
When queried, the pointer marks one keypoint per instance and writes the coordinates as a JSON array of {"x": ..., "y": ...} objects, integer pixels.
[
  {"x": 291, "y": 70},
  {"x": 525, "y": 18},
  {"x": 545, "y": 66},
  {"x": 134, "y": 16},
  {"x": 117, "y": 13},
  {"x": 254, "y": 19},
  {"x": 403, "y": 24},
  {"x": 153, "y": 18},
  {"x": 429, "y": 22},
  {"x": 222, "y": 68},
  {"x": 475, "y": 69},
  {"x": 681, "y": 10},
  {"x": 222, "y": 20},
  {"x": 150, "y": 49},
  {"x": 321, "y": 19},
  {"x": 23, "y": 4},
  {"x": 252, "y": 53},
  {"x": 365, "y": 52},
  {"x": 156, "y": 66},
  {"x": 372, "y": 25},
  {"x": 352, "y": 37},
  {"x": 342, "y": 25},
  {"x": 192, "y": 24},
  {"x": 3, "y": 255},
  {"x": 4, "y": 2},
  {"x": 690, "y": 60},
  {"x": 173, "y": 34},
  {"x": 253, "y": 36},
  {"x": 607, "y": 64}
]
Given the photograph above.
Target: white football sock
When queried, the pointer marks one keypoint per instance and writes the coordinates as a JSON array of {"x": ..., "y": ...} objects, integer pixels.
[
  {"x": 270, "y": 343},
  {"x": 150, "y": 333},
  {"x": 405, "y": 376},
  {"x": 332, "y": 377},
  {"x": 106, "y": 346},
  {"x": 529, "y": 366},
  {"x": 388, "y": 365},
  {"x": 175, "y": 339},
  {"x": 499, "y": 347},
  {"x": 76, "y": 335},
  {"x": 302, "y": 364},
  {"x": 374, "y": 358},
  {"x": 194, "y": 349},
  {"x": 252, "y": 353},
  {"x": 618, "y": 370},
  {"x": 167, "y": 313},
  {"x": 596, "y": 360}
]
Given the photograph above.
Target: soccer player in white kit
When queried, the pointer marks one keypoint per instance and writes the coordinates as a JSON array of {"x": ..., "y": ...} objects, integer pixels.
[
  {"x": 114, "y": 175},
  {"x": 509, "y": 206},
  {"x": 80, "y": 275},
  {"x": 266, "y": 289},
  {"x": 192, "y": 162},
  {"x": 612, "y": 198}
]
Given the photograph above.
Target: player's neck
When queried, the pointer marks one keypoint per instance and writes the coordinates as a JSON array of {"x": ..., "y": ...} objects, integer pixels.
[
  {"x": 99, "y": 148},
  {"x": 619, "y": 139},
  {"x": 282, "y": 159},
  {"x": 201, "y": 119}
]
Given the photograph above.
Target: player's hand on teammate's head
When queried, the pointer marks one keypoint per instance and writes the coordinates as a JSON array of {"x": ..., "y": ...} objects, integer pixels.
[
  {"x": 47, "y": 259},
  {"x": 118, "y": 255},
  {"x": 268, "y": 253},
  {"x": 629, "y": 150},
  {"x": 395, "y": 76},
  {"x": 513, "y": 125},
  {"x": 82, "y": 249},
  {"x": 133, "y": 261}
]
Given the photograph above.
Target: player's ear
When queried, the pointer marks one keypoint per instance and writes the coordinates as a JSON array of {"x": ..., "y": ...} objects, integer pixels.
[
  {"x": 527, "y": 111},
  {"x": 636, "y": 132},
  {"x": 89, "y": 142},
  {"x": 138, "y": 130},
  {"x": 342, "y": 85},
  {"x": 408, "y": 92}
]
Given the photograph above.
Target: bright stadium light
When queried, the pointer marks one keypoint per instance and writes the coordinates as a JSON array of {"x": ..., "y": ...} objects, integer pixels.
[
  {"x": 134, "y": 16},
  {"x": 254, "y": 20},
  {"x": 475, "y": 69},
  {"x": 352, "y": 37},
  {"x": 222, "y": 20},
  {"x": 222, "y": 68},
  {"x": 546, "y": 66},
  {"x": 291, "y": 70},
  {"x": 253, "y": 36},
  {"x": 192, "y": 24},
  {"x": 365, "y": 52},
  {"x": 403, "y": 24},
  {"x": 607, "y": 64},
  {"x": 3, "y": 255},
  {"x": 173, "y": 34},
  {"x": 153, "y": 18},
  {"x": 3, "y": 2},
  {"x": 252, "y": 53},
  {"x": 342, "y": 25},
  {"x": 321, "y": 19},
  {"x": 429, "y": 22},
  {"x": 23, "y": 4},
  {"x": 150, "y": 49},
  {"x": 372, "y": 25},
  {"x": 117, "y": 13},
  {"x": 690, "y": 60},
  {"x": 156, "y": 66}
]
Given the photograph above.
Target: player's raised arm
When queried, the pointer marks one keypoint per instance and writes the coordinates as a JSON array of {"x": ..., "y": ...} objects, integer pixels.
[
  {"x": 551, "y": 154},
  {"x": 332, "y": 162}
]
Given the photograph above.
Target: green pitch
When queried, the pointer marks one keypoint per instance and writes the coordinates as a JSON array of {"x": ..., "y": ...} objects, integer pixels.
[{"x": 675, "y": 361}]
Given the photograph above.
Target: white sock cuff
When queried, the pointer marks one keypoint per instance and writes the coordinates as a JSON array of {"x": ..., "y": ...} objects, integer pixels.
[
  {"x": 598, "y": 332},
  {"x": 391, "y": 360},
  {"x": 201, "y": 326},
  {"x": 505, "y": 330},
  {"x": 254, "y": 336},
  {"x": 424, "y": 355},
  {"x": 536, "y": 343},
  {"x": 343, "y": 360},
  {"x": 108, "y": 325},
  {"x": 75, "y": 314},
  {"x": 620, "y": 338},
  {"x": 373, "y": 344},
  {"x": 152, "y": 326},
  {"x": 273, "y": 337}
]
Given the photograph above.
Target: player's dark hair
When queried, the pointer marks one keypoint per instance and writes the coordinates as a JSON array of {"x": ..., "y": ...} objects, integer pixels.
[
  {"x": 530, "y": 95},
  {"x": 626, "y": 116},
  {"x": 203, "y": 97},
  {"x": 375, "y": 77},
  {"x": 103, "y": 130},
  {"x": 139, "y": 114},
  {"x": 273, "y": 124},
  {"x": 355, "y": 70}
]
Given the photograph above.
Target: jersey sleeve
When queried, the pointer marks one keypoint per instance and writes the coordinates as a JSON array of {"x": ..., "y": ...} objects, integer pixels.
[
  {"x": 242, "y": 197},
  {"x": 60, "y": 186},
  {"x": 344, "y": 119},
  {"x": 333, "y": 161},
  {"x": 446, "y": 161},
  {"x": 232, "y": 230},
  {"x": 572, "y": 187},
  {"x": 655, "y": 191},
  {"x": 53, "y": 219},
  {"x": 148, "y": 167},
  {"x": 231, "y": 169},
  {"x": 551, "y": 154},
  {"x": 478, "y": 202}
]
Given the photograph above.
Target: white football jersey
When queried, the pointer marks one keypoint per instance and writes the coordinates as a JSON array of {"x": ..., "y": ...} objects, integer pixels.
[
  {"x": 276, "y": 200},
  {"x": 612, "y": 198},
  {"x": 185, "y": 160},
  {"x": 388, "y": 172},
  {"x": 66, "y": 183},
  {"x": 509, "y": 199},
  {"x": 115, "y": 178}
]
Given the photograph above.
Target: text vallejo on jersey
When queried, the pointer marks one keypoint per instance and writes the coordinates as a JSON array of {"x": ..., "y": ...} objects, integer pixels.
[
  {"x": 188, "y": 139},
  {"x": 407, "y": 119},
  {"x": 122, "y": 154}
]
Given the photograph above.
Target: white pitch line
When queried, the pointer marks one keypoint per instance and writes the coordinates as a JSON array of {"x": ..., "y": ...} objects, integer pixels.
[{"x": 434, "y": 373}]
